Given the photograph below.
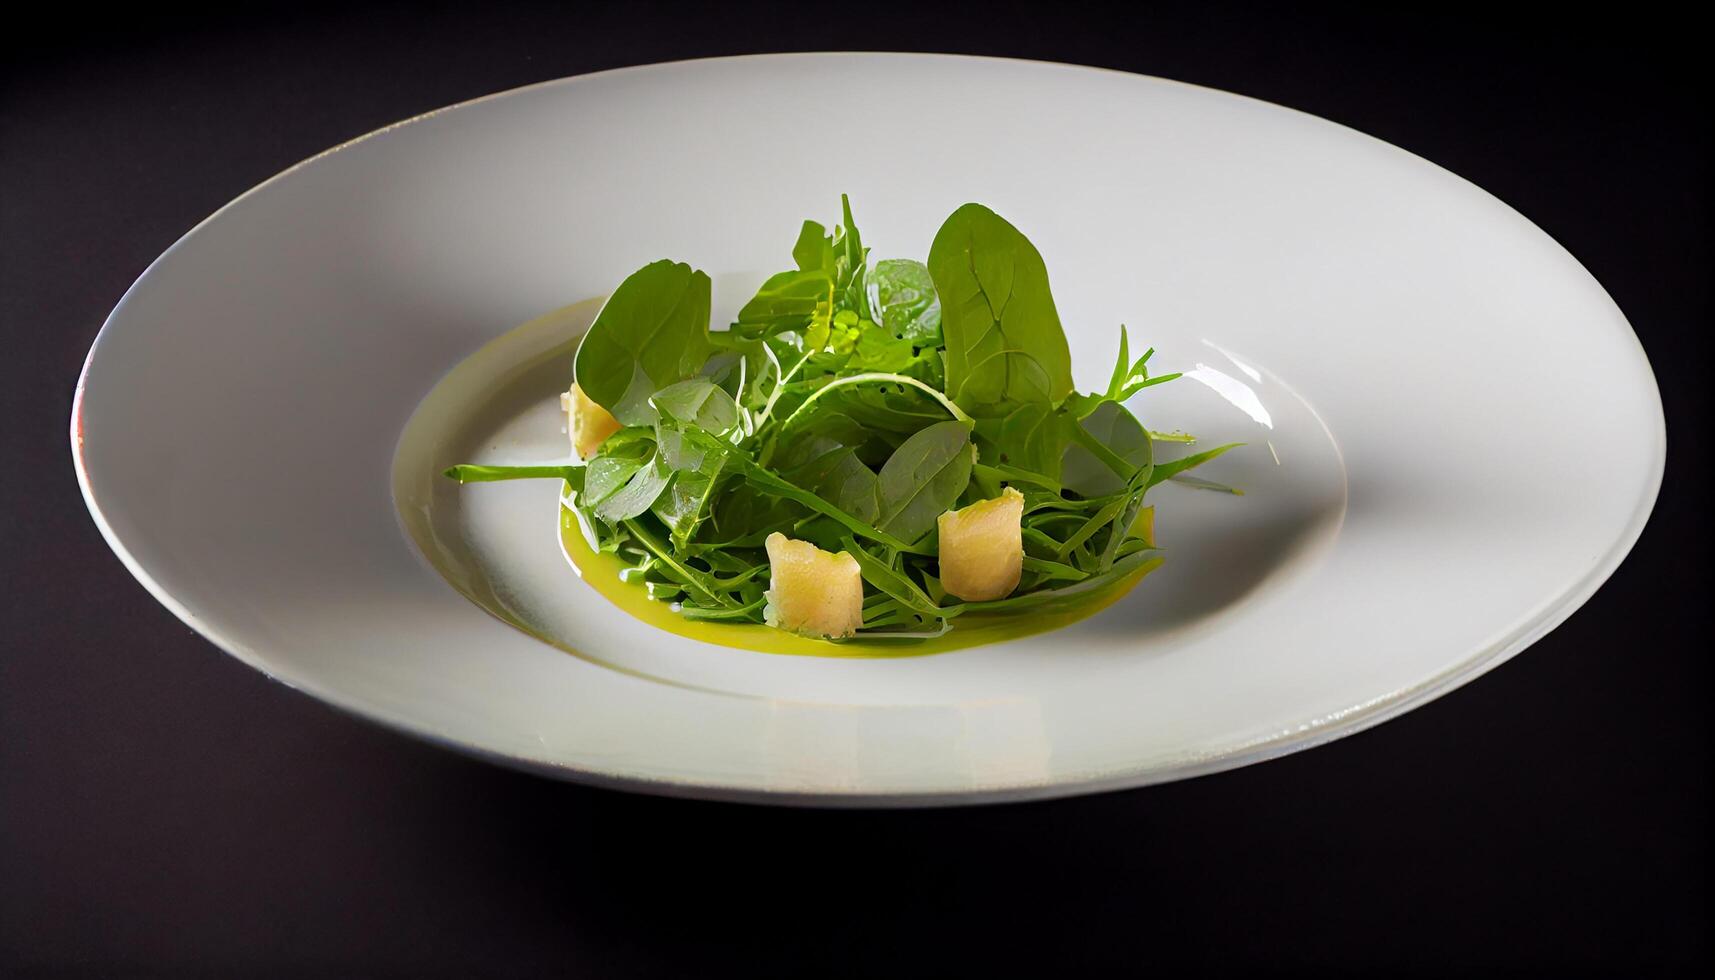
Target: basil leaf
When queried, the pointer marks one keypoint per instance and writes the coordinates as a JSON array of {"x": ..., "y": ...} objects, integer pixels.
[
  {"x": 1005, "y": 346},
  {"x": 653, "y": 331}
]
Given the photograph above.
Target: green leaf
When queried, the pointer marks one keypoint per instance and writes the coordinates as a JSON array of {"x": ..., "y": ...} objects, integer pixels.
[
  {"x": 688, "y": 499},
  {"x": 1032, "y": 438},
  {"x": 607, "y": 475},
  {"x": 802, "y": 301},
  {"x": 743, "y": 515},
  {"x": 839, "y": 477},
  {"x": 896, "y": 584},
  {"x": 924, "y": 478},
  {"x": 1005, "y": 346},
  {"x": 879, "y": 384},
  {"x": 1168, "y": 470},
  {"x": 903, "y": 302},
  {"x": 767, "y": 480},
  {"x": 471, "y": 473},
  {"x": 1195, "y": 482},
  {"x": 699, "y": 402},
  {"x": 639, "y": 494},
  {"x": 699, "y": 583},
  {"x": 849, "y": 238},
  {"x": 1054, "y": 570},
  {"x": 814, "y": 250},
  {"x": 1116, "y": 383},
  {"x": 1087, "y": 470},
  {"x": 1139, "y": 561},
  {"x": 652, "y": 332}
]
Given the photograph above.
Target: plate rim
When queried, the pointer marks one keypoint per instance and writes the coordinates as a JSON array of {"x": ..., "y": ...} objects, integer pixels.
[{"x": 1320, "y": 731}]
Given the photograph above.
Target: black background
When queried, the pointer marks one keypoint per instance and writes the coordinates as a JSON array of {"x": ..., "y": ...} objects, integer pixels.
[{"x": 164, "y": 810}]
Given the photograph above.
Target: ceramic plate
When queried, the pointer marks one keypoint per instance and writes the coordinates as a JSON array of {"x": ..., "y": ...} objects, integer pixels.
[{"x": 1452, "y": 435}]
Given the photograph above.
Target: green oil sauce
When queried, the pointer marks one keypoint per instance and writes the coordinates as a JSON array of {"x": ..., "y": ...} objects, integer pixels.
[{"x": 601, "y": 573}]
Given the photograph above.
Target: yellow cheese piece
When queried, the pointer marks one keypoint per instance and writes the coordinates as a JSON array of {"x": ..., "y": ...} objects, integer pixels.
[
  {"x": 588, "y": 422},
  {"x": 982, "y": 549},
  {"x": 811, "y": 591}
]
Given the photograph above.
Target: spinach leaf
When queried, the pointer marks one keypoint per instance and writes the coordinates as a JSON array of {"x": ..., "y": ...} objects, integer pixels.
[
  {"x": 742, "y": 515},
  {"x": 838, "y": 476},
  {"x": 1111, "y": 426},
  {"x": 607, "y": 474},
  {"x": 840, "y": 255},
  {"x": 902, "y": 301},
  {"x": 686, "y": 502},
  {"x": 1032, "y": 438},
  {"x": 1005, "y": 346},
  {"x": 923, "y": 478},
  {"x": 638, "y": 494},
  {"x": 814, "y": 250},
  {"x": 652, "y": 332},
  {"x": 699, "y": 402},
  {"x": 802, "y": 301}
]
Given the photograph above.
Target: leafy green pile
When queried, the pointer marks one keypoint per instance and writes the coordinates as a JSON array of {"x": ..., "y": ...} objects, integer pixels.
[{"x": 850, "y": 405}]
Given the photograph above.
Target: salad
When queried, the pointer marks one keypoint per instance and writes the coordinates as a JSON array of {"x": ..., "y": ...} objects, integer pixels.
[{"x": 870, "y": 451}]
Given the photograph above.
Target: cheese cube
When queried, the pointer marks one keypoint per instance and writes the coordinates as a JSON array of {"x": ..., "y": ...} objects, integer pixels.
[
  {"x": 982, "y": 548},
  {"x": 811, "y": 591}
]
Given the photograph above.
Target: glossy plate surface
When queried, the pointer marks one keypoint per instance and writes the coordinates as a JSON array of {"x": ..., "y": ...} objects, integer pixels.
[{"x": 1453, "y": 435}]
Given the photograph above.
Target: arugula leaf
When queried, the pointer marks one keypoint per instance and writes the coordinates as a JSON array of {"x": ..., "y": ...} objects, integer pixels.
[
  {"x": 652, "y": 332},
  {"x": 1089, "y": 471},
  {"x": 471, "y": 473},
  {"x": 1139, "y": 561},
  {"x": 1197, "y": 482},
  {"x": 1005, "y": 346},
  {"x": 1171, "y": 469},
  {"x": 896, "y": 584},
  {"x": 699, "y": 583}
]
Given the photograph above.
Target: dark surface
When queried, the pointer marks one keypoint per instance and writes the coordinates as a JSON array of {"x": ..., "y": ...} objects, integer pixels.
[{"x": 165, "y": 810}]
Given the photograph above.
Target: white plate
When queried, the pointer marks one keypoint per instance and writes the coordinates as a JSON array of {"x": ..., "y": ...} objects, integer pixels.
[{"x": 1454, "y": 436}]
